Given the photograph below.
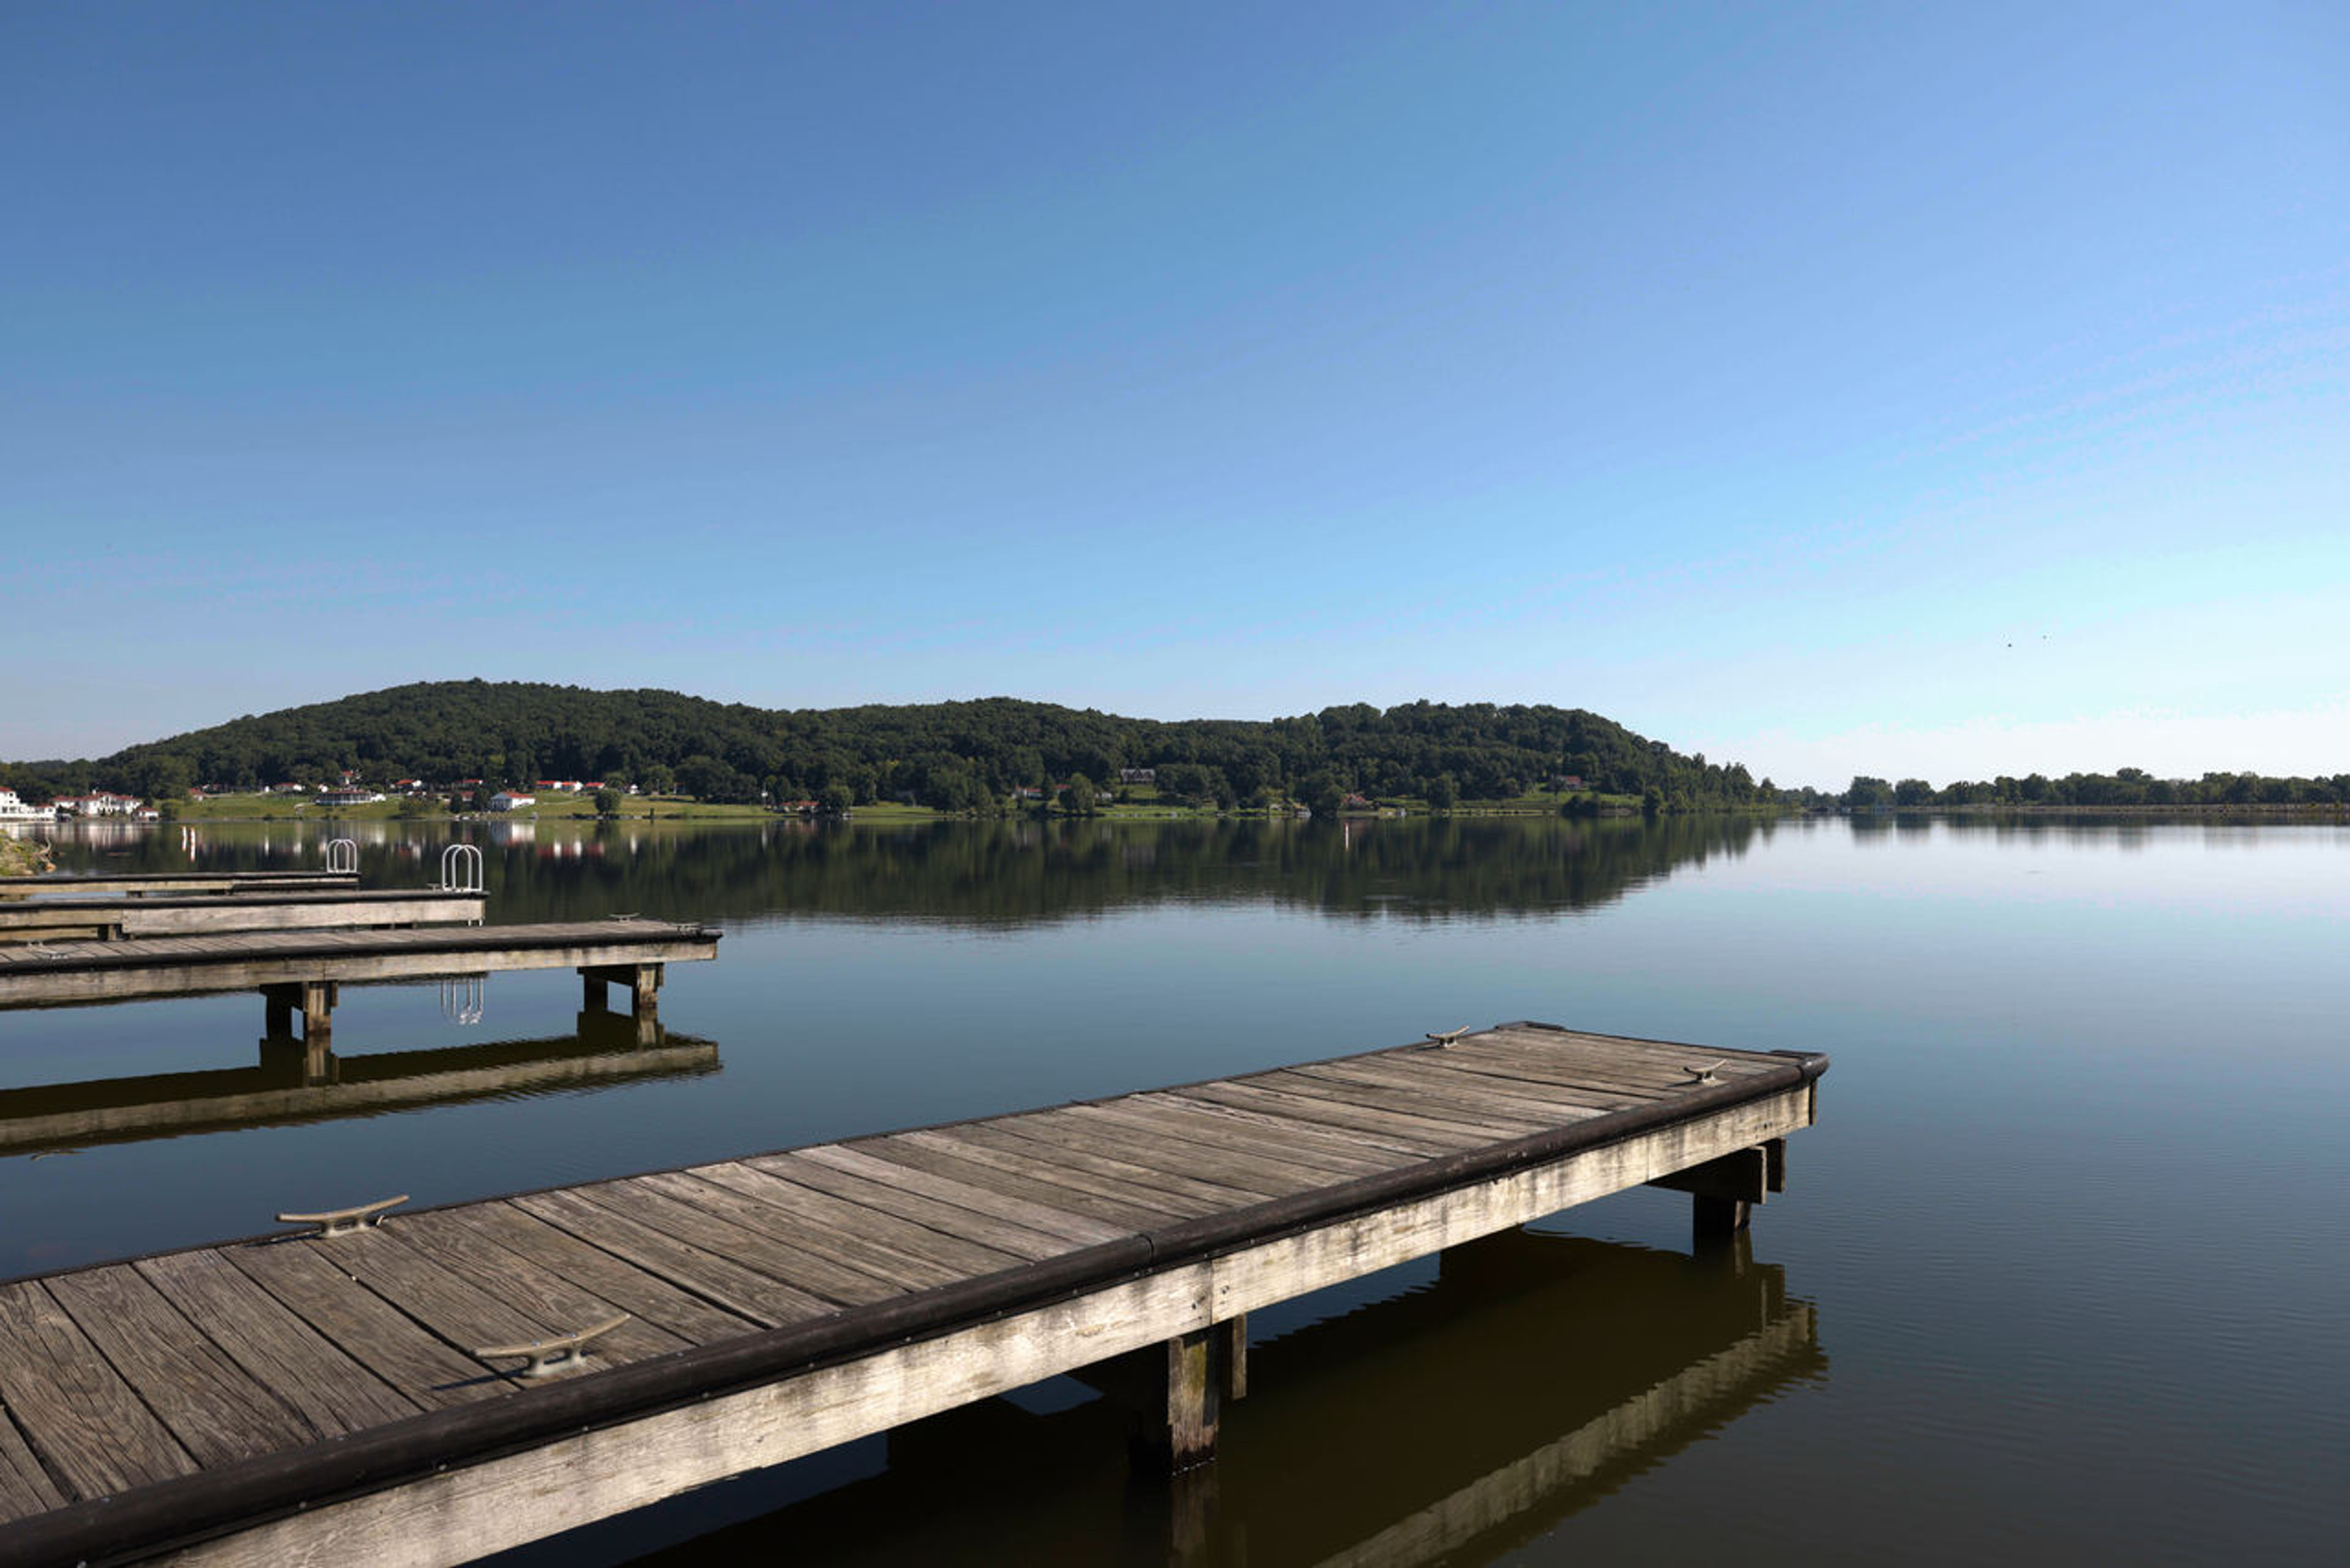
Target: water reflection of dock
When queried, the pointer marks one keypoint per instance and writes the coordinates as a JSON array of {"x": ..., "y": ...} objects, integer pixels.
[
  {"x": 1529, "y": 1400},
  {"x": 1449, "y": 1423},
  {"x": 284, "y": 1088}
]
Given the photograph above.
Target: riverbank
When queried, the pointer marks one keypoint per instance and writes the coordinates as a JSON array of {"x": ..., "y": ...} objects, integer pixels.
[
  {"x": 679, "y": 809},
  {"x": 22, "y": 857}
]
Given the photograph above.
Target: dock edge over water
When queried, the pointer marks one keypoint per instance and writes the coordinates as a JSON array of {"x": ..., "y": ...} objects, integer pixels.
[{"x": 429, "y": 1486}]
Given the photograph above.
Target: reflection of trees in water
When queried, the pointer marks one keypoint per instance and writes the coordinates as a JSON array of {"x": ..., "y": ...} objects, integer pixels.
[
  {"x": 2082, "y": 830},
  {"x": 1020, "y": 872}
]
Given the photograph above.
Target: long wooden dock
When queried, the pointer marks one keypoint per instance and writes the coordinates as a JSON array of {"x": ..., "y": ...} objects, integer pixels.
[
  {"x": 301, "y": 974},
  {"x": 66, "y": 972},
  {"x": 143, "y": 884},
  {"x": 357, "y": 1397},
  {"x": 117, "y": 918}
]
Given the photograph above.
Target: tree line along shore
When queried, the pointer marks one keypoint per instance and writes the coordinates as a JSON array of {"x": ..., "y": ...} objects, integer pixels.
[{"x": 461, "y": 741}]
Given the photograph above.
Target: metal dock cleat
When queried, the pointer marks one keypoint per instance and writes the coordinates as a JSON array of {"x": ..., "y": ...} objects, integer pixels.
[
  {"x": 335, "y": 1221},
  {"x": 563, "y": 1353}
]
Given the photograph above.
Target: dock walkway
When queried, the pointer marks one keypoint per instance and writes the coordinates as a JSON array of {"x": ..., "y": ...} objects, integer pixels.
[
  {"x": 246, "y": 961},
  {"x": 355, "y": 1396},
  {"x": 142, "y": 884},
  {"x": 117, "y": 918},
  {"x": 300, "y": 974}
]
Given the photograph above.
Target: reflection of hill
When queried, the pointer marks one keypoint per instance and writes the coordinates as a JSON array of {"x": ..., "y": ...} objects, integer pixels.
[
  {"x": 1452, "y": 1423},
  {"x": 274, "y": 1094},
  {"x": 1022, "y": 872}
]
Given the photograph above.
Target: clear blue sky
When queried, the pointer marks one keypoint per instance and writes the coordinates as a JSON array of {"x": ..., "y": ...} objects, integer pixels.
[{"x": 1945, "y": 391}]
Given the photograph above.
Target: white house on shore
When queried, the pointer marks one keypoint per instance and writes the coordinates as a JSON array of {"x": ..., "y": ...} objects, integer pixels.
[
  {"x": 508, "y": 800},
  {"x": 14, "y": 809},
  {"x": 102, "y": 803}
]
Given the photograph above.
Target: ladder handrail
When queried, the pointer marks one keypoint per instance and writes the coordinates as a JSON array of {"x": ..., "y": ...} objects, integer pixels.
[{"x": 462, "y": 870}]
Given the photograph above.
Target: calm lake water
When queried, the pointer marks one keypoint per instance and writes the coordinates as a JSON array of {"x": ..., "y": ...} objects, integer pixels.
[{"x": 2062, "y": 1273}]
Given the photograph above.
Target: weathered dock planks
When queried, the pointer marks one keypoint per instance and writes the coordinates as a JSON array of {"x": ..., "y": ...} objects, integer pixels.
[
  {"x": 786, "y": 1302},
  {"x": 116, "y": 918},
  {"x": 68, "y": 972},
  {"x": 302, "y": 973}
]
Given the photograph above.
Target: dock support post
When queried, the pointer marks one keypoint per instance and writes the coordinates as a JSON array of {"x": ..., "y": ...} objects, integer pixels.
[
  {"x": 644, "y": 983},
  {"x": 314, "y": 998},
  {"x": 318, "y": 999},
  {"x": 1716, "y": 1219},
  {"x": 1725, "y": 1190},
  {"x": 1182, "y": 1431},
  {"x": 1234, "y": 1354},
  {"x": 1174, "y": 1393}
]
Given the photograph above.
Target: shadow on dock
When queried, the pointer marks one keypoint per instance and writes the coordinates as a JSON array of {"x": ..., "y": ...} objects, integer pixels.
[{"x": 1453, "y": 1421}]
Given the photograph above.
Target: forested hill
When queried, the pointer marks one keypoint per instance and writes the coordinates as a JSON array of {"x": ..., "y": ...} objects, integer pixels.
[{"x": 953, "y": 755}]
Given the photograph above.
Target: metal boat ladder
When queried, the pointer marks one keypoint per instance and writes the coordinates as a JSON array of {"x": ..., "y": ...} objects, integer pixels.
[{"x": 461, "y": 870}]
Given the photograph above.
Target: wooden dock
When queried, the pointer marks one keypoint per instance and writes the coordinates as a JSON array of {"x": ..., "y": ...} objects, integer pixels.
[
  {"x": 356, "y": 1396},
  {"x": 144, "y": 883},
  {"x": 116, "y": 918},
  {"x": 301, "y": 974}
]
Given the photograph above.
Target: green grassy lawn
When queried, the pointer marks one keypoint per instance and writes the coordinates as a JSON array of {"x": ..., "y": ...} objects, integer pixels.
[
  {"x": 1155, "y": 811},
  {"x": 898, "y": 811},
  {"x": 265, "y": 808},
  {"x": 667, "y": 808}
]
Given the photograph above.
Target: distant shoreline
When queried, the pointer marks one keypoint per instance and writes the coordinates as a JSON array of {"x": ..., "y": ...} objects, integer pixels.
[
  {"x": 2047, "y": 808},
  {"x": 640, "y": 813}
]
